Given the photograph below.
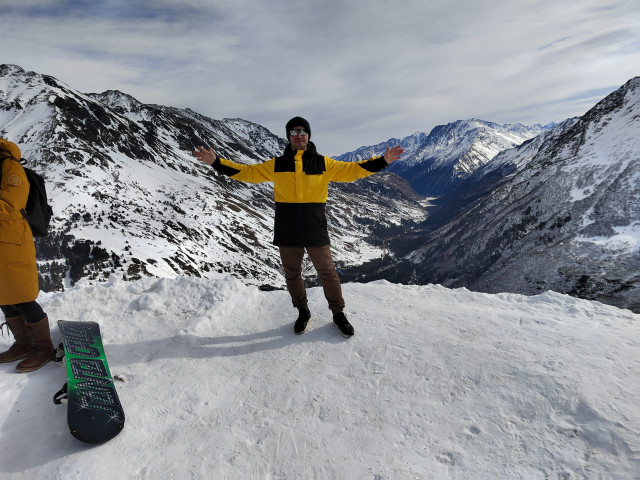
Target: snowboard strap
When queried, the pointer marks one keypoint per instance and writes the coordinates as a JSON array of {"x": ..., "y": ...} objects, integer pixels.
[
  {"x": 61, "y": 396},
  {"x": 58, "y": 354}
]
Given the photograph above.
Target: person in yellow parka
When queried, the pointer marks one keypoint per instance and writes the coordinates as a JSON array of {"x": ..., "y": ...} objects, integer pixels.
[{"x": 18, "y": 272}]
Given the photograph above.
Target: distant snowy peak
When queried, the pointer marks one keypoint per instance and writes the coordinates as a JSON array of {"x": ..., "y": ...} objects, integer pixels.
[
  {"x": 621, "y": 106},
  {"x": 28, "y": 88},
  {"x": 467, "y": 145},
  {"x": 510, "y": 160},
  {"x": 435, "y": 164},
  {"x": 118, "y": 101},
  {"x": 627, "y": 96},
  {"x": 411, "y": 145}
]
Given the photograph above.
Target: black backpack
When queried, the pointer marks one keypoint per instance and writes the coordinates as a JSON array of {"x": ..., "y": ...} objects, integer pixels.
[{"x": 37, "y": 212}]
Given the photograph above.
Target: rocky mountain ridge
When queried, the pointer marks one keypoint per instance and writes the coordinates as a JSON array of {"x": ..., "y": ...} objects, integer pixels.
[{"x": 437, "y": 163}]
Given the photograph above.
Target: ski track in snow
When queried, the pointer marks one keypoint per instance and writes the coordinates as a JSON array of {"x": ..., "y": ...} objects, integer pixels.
[{"x": 436, "y": 383}]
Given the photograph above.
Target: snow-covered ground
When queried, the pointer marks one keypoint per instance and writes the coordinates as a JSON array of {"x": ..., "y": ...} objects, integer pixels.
[{"x": 435, "y": 384}]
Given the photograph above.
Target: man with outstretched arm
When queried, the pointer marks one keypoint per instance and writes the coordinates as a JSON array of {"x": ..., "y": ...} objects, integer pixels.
[{"x": 300, "y": 179}]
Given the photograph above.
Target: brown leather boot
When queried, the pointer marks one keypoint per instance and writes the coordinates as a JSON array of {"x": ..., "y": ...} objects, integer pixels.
[
  {"x": 41, "y": 348},
  {"x": 22, "y": 344}
]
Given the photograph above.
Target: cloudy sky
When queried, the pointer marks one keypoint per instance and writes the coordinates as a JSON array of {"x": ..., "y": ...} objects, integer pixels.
[{"x": 361, "y": 71}]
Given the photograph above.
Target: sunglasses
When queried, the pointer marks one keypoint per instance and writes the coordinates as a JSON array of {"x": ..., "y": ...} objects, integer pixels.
[{"x": 296, "y": 132}]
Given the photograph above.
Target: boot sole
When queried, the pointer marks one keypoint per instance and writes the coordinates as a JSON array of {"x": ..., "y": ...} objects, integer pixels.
[
  {"x": 32, "y": 369},
  {"x": 342, "y": 333},
  {"x": 14, "y": 359}
]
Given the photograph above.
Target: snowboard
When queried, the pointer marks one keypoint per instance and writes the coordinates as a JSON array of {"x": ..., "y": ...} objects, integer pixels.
[{"x": 94, "y": 413}]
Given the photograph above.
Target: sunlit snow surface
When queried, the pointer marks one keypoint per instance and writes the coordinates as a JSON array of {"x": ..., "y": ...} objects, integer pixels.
[{"x": 436, "y": 383}]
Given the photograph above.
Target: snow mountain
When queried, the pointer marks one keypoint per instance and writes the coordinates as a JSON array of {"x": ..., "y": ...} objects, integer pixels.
[
  {"x": 438, "y": 163},
  {"x": 560, "y": 212},
  {"x": 130, "y": 200},
  {"x": 510, "y": 208}
]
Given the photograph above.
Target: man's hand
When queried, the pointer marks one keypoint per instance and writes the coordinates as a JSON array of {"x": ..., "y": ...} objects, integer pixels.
[
  {"x": 204, "y": 155},
  {"x": 393, "y": 154}
]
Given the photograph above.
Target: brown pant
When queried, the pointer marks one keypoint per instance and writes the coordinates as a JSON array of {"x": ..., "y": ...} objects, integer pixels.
[{"x": 323, "y": 262}]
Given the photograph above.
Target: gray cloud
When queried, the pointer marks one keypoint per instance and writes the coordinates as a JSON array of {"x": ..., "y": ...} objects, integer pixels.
[{"x": 361, "y": 71}]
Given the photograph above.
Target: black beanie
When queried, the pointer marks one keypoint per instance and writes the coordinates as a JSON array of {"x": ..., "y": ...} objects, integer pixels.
[{"x": 298, "y": 122}]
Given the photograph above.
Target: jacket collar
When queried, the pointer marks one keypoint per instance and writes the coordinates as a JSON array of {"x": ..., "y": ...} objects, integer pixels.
[
  {"x": 312, "y": 162},
  {"x": 310, "y": 151}
]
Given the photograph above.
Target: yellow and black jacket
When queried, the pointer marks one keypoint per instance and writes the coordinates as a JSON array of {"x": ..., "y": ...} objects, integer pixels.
[{"x": 300, "y": 186}]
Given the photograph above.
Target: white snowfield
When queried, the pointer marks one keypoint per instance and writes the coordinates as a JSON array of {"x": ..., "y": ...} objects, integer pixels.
[{"x": 436, "y": 384}]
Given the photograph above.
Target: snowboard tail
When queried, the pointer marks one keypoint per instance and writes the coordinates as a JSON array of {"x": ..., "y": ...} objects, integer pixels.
[{"x": 94, "y": 413}]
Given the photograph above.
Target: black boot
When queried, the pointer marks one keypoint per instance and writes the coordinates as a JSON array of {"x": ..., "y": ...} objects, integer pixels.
[
  {"x": 340, "y": 321},
  {"x": 303, "y": 320}
]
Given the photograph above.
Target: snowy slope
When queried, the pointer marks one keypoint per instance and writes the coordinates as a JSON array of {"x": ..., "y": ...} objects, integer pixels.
[{"x": 436, "y": 383}]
